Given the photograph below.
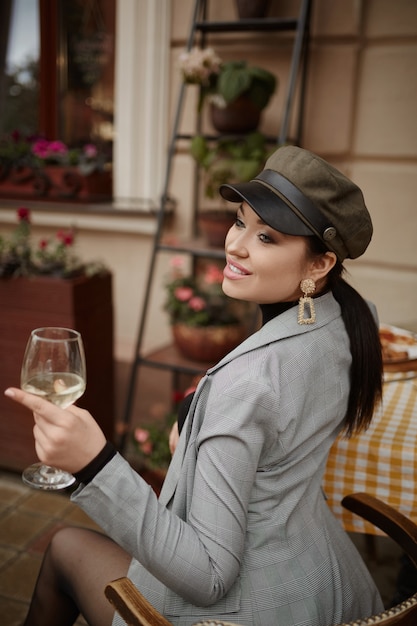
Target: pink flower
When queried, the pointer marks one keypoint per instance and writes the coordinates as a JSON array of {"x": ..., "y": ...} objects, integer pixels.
[
  {"x": 213, "y": 275},
  {"x": 57, "y": 147},
  {"x": 45, "y": 149},
  {"x": 147, "y": 447},
  {"x": 197, "y": 304},
  {"x": 40, "y": 148},
  {"x": 183, "y": 294},
  {"x": 177, "y": 262},
  {"x": 90, "y": 151},
  {"x": 141, "y": 435}
]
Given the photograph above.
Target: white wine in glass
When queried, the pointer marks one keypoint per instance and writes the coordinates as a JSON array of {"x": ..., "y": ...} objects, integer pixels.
[{"x": 53, "y": 368}]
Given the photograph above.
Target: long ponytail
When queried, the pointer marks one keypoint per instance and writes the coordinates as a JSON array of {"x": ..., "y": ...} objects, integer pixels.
[{"x": 365, "y": 346}]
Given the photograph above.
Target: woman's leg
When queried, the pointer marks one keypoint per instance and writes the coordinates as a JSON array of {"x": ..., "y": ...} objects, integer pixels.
[{"x": 76, "y": 567}]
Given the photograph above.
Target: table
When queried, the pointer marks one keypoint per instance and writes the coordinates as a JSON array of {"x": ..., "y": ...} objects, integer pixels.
[{"x": 381, "y": 461}]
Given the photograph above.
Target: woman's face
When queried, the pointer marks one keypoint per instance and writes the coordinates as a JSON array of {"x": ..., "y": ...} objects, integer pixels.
[{"x": 262, "y": 264}]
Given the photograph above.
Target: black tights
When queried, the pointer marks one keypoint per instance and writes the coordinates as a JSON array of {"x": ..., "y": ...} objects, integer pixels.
[{"x": 75, "y": 569}]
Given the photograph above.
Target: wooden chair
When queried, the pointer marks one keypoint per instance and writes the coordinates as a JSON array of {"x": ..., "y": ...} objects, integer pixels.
[{"x": 137, "y": 611}]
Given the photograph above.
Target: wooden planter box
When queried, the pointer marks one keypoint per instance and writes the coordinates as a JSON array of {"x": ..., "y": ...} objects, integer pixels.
[
  {"x": 56, "y": 183},
  {"x": 83, "y": 303}
]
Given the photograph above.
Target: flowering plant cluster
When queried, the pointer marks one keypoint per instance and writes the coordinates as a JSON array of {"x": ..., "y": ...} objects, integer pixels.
[
  {"x": 151, "y": 441},
  {"x": 198, "y": 300},
  {"x": 36, "y": 152},
  {"x": 55, "y": 256},
  {"x": 222, "y": 82}
]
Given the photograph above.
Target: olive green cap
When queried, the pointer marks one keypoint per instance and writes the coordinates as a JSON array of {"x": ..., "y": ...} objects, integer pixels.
[{"x": 299, "y": 193}]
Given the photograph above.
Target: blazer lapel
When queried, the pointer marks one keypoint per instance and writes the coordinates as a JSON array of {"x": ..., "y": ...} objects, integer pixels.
[{"x": 173, "y": 474}]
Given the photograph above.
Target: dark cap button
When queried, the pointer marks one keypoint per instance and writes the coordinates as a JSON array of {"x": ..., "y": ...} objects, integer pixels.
[{"x": 329, "y": 233}]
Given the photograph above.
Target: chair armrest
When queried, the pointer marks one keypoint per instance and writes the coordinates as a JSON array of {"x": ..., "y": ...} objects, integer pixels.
[{"x": 131, "y": 605}]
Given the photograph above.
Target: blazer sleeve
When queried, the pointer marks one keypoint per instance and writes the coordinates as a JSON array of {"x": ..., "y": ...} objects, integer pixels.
[{"x": 197, "y": 557}]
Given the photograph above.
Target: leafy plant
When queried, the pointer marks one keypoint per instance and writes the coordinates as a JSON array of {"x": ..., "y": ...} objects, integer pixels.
[
  {"x": 229, "y": 159},
  {"x": 237, "y": 78},
  {"x": 224, "y": 82}
]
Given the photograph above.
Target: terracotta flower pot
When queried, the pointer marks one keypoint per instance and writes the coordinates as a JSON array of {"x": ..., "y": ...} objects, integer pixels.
[
  {"x": 207, "y": 343},
  {"x": 240, "y": 116},
  {"x": 56, "y": 183},
  {"x": 214, "y": 225},
  {"x": 248, "y": 9}
]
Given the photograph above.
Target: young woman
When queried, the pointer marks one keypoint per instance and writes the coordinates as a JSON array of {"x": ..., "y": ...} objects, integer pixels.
[{"x": 241, "y": 531}]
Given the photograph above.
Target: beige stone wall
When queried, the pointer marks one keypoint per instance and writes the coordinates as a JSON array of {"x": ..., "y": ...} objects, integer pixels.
[{"x": 360, "y": 114}]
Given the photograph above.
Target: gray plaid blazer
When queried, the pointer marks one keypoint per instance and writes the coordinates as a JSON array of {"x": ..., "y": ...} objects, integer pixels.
[{"x": 241, "y": 531}]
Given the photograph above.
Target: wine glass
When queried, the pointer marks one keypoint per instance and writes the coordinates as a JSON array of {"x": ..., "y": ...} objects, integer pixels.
[{"x": 53, "y": 368}]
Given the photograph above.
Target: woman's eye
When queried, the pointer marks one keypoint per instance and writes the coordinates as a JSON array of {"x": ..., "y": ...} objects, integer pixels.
[
  {"x": 265, "y": 238},
  {"x": 239, "y": 223}
]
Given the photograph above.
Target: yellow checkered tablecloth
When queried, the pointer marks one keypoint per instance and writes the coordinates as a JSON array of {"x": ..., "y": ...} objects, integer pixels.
[{"x": 383, "y": 460}]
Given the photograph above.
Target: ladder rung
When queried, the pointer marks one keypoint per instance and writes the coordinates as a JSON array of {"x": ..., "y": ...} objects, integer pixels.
[{"x": 245, "y": 25}]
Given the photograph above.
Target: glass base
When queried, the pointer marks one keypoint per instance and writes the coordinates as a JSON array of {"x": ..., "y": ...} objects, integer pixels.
[{"x": 42, "y": 476}]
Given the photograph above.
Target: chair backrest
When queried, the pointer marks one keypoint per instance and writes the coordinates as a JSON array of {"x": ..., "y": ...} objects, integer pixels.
[
  {"x": 137, "y": 611},
  {"x": 403, "y": 531}
]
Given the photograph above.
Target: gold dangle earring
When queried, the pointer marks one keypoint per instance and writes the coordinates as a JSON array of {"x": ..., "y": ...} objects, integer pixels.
[{"x": 306, "y": 311}]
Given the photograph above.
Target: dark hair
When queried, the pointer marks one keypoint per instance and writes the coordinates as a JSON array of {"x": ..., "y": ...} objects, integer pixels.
[{"x": 365, "y": 346}]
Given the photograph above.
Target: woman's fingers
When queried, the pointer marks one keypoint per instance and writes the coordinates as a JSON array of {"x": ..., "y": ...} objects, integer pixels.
[
  {"x": 30, "y": 401},
  {"x": 68, "y": 438}
]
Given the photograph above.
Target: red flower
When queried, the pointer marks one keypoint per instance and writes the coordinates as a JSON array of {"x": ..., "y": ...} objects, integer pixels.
[
  {"x": 43, "y": 244},
  {"x": 177, "y": 396},
  {"x": 23, "y": 214},
  {"x": 66, "y": 237}
]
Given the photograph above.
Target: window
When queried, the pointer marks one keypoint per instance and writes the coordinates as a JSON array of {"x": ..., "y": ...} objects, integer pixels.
[
  {"x": 19, "y": 66},
  {"x": 57, "y": 67}
]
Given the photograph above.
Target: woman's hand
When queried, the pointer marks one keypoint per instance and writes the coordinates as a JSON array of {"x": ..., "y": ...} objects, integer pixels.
[
  {"x": 173, "y": 438},
  {"x": 65, "y": 438}
]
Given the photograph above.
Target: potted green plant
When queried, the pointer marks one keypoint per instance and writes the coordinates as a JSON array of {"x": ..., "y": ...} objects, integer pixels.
[
  {"x": 236, "y": 91},
  {"x": 227, "y": 160},
  {"x": 206, "y": 324}
]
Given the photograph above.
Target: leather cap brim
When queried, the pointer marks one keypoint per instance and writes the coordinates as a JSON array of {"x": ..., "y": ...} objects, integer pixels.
[{"x": 268, "y": 205}]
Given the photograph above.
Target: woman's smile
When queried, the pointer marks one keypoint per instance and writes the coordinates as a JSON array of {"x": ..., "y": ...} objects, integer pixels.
[{"x": 234, "y": 270}]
